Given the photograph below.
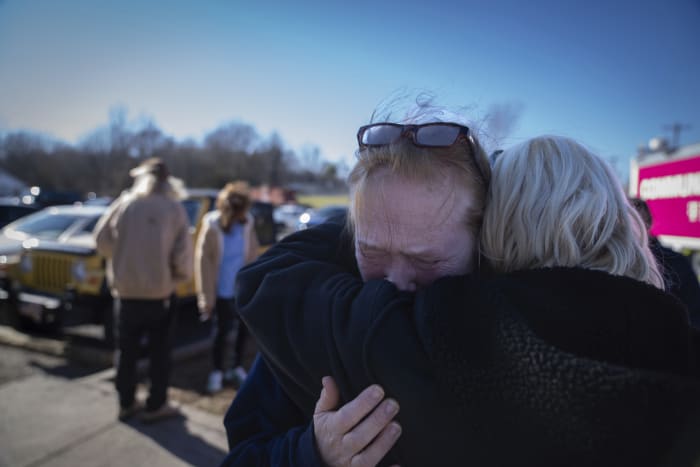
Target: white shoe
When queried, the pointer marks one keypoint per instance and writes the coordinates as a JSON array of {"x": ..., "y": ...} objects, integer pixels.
[
  {"x": 215, "y": 383},
  {"x": 235, "y": 376},
  {"x": 240, "y": 374}
]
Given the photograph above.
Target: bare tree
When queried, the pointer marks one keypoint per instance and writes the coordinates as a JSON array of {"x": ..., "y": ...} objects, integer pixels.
[
  {"x": 117, "y": 129},
  {"x": 310, "y": 157},
  {"x": 101, "y": 162},
  {"x": 145, "y": 141},
  {"x": 234, "y": 136}
]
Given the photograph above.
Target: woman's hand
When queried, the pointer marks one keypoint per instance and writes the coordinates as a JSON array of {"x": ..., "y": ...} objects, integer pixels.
[{"x": 345, "y": 437}]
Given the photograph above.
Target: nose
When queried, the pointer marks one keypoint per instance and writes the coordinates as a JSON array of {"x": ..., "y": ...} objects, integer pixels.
[{"x": 402, "y": 276}]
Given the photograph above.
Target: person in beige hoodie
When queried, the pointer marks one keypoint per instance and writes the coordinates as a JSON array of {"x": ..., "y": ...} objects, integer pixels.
[
  {"x": 226, "y": 242},
  {"x": 145, "y": 237}
]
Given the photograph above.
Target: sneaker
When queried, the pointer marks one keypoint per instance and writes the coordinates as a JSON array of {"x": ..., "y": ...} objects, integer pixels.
[
  {"x": 229, "y": 375},
  {"x": 235, "y": 376},
  {"x": 126, "y": 413},
  {"x": 215, "y": 382},
  {"x": 165, "y": 411},
  {"x": 240, "y": 373}
]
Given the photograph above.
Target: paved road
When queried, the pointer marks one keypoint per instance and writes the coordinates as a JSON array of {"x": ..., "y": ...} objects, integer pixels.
[
  {"x": 17, "y": 364},
  {"x": 54, "y": 412},
  {"x": 191, "y": 364}
]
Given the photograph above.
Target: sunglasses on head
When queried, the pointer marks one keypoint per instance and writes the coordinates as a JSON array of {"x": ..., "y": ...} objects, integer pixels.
[{"x": 429, "y": 135}]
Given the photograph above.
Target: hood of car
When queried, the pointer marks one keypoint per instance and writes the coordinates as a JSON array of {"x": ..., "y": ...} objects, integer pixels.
[
  {"x": 77, "y": 244},
  {"x": 9, "y": 246}
]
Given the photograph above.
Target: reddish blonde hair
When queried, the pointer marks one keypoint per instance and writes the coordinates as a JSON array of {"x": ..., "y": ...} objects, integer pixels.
[
  {"x": 464, "y": 163},
  {"x": 233, "y": 202}
]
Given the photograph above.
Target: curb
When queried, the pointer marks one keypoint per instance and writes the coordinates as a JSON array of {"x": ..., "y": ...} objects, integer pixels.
[{"x": 85, "y": 354}]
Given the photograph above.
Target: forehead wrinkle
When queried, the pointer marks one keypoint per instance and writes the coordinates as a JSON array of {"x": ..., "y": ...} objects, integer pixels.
[
  {"x": 377, "y": 188},
  {"x": 416, "y": 233},
  {"x": 451, "y": 198}
]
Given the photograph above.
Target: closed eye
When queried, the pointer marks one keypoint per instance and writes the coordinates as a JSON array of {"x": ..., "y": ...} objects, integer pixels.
[
  {"x": 425, "y": 262},
  {"x": 371, "y": 252}
]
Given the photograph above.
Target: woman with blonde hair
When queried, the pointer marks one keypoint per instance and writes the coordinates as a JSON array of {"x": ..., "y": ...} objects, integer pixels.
[
  {"x": 555, "y": 204},
  {"x": 570, "y": 353},
  {"x": 226, "y": 242}
]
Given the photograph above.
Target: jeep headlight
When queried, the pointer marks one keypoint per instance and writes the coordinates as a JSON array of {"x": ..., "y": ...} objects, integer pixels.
[
  {"x": 78, "y": 271},
  {"x": 25, "y": 264},
  {"x": 6, "y": 262},
  {"x": 9, "y": 259}
]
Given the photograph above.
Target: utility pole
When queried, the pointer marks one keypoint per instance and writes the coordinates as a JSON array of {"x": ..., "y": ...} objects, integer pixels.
[{"x": 676, "y": 129}]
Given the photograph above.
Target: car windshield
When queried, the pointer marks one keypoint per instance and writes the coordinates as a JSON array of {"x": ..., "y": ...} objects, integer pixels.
[
  {"x": 90, "y": 226},
  {"x": 44, "y": 224}
]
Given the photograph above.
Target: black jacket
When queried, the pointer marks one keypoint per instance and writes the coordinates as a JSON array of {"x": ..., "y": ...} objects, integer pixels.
[
  {"x": 542, "y": 367},
  {"x": 679, "y": 277},
  {"x": 264, "y": 427}
]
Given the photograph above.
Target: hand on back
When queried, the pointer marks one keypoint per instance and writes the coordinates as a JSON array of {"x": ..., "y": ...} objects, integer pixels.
[{"x": 358, "y": 434}]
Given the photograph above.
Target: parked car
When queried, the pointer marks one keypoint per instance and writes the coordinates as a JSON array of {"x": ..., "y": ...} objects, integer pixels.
[
  {"x": 265, "y": 226},
  {"x": 318, "y": 216},
  {"x": 59, "y": 284},
  {"x": 45, "y": 198},
  {"x": 63, "y": 226},
  {"x": 12, "y": 208},
  {"x": 287, "y": 217},
  {"x": 98, "y": 201},
  {"x": 57, "y": 223}
]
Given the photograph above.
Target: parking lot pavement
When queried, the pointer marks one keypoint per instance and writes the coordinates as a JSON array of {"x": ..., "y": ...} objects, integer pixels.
[
  {"x": 54, "y": 421},
  {"x": 52, "y": 416}
]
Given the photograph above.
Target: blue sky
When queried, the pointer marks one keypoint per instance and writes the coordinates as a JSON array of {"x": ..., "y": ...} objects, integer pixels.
[{"x": 608, "y": 73}]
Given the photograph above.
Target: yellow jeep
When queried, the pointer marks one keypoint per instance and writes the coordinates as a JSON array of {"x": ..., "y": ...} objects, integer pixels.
[{"x": 62, "y": 285}]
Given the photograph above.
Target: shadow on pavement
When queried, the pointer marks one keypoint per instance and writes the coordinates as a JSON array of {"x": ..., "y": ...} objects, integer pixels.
[
  {"x": 67, "y": 370},
  {"x": 175, "y": 436}
]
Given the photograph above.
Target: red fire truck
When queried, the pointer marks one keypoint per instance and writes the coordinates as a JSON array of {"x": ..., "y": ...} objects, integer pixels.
[{"x": 669, "y": 180}]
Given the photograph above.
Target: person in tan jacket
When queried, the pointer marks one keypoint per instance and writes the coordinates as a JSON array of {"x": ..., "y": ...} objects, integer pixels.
[
  {"x": 145, "y": 237},
  {"x": 226, "y": 242}
]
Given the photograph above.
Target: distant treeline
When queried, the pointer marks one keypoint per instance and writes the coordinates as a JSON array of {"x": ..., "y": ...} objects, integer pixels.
[{"x": 101, "y": 162}]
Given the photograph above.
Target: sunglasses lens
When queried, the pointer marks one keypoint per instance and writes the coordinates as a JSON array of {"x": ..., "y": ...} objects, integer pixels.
[
  {"x": 437, "y": 135},
  {"x": 380, "y": 135}
]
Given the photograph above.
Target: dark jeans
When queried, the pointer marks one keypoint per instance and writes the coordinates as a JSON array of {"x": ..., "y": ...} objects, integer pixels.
[
  {"x": 154, "y": 319},
  {"x": 226, "y": 320}
]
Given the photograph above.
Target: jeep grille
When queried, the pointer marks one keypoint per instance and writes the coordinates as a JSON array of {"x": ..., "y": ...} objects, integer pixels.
[{"x": 51, "y": 272}]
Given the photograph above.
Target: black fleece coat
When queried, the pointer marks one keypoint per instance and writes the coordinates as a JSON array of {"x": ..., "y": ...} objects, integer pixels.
[{"x": 544, "y": 367}]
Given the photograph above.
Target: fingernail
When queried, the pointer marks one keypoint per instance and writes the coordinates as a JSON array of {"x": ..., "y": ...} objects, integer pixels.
[
  {"x": 395, "y": 429},
  {"x": 391, "y": 407},
  {"x": 377, "y": 392}
]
